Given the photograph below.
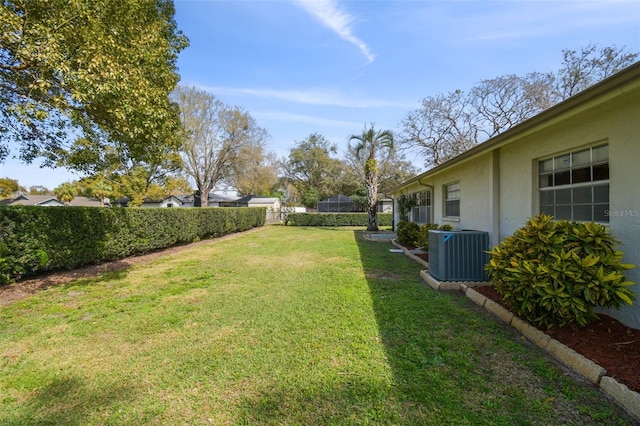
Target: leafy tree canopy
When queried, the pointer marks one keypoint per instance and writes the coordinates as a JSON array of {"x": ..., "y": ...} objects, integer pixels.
[
  {"x": 311, "y": 170},
  {"x": 9, "y": 187},
  {"x": 97, "y": 70}
]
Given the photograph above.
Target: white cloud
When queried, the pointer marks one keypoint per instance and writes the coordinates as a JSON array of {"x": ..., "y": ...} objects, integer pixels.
[
  {"x": 539, "y": 19},
  {"x": 308, "y": 119},
  {"x": 339, "y": 21},
  {"x": 318, "y": 97}
]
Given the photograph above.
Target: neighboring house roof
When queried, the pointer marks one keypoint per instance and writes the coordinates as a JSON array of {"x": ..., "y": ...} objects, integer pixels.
[
  {"x": 48, "y": 200},
  {"x": 263, "y": 200},
  {"x": 86, "y": 202},
  {"x": 217, "y": 198},
  {"x": 598, "y": 93},
  {"x": 32, "y": 200},
  {"x": 162, "y": 200},
  {"x": 256, "y": 199}
]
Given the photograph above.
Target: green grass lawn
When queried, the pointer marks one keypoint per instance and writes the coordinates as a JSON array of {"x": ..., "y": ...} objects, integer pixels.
[{"x": 283, "y": 326}]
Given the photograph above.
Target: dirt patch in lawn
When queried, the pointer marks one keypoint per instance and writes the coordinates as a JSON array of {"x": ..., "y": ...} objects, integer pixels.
[{"x": 607, "y": 342}]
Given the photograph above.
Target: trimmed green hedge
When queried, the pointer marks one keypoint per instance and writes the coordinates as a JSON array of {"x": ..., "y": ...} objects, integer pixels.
[
  {"x": 35, "y": 239},
  {"x": 335, "y": 219}
]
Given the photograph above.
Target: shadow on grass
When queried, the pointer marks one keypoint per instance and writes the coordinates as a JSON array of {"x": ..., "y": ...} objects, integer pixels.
[
  {"x": 67, "y": 401},
  {"x": 452, "y": 360}
]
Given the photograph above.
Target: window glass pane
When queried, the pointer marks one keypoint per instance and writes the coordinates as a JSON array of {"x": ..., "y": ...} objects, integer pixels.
[
  {"x": 601, "y": 172},
  {"x": 601, "y": 194},
  {"x": 452, "y": 208},
  {"x": 563, "y": 212},
  {"x": 415, "y": 214},
  {"x": 546, "y": 198},
  {"x": 546, "y": 180},
  {"x": 546, "y": 165},
  {"x": 581, "y": 175},
  {"x": 563, "y": 178},
  {"x": 599, "y": 213},
  {"x": 600, "y": 153},
  {"x": 547, "y": 210},
  {"x": 581, "y": 158},
  {"x": 563, "y": 196},
  {"x": 584, "y": 212},
  {"x": 562, "y": 162},
  {"x": 582, "y": 195},
  {"x": 583, "y": 178}
]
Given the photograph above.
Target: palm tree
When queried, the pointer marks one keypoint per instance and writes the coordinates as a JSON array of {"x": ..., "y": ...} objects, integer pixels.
[
  {"x": 101, "y": 190},
  {"x": 66, "y": 192},
  {"x": 367, "y": 147}
]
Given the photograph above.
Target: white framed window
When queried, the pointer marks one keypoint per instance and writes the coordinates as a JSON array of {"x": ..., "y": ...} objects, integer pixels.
[
  {"x": 575, "y": 186},
  {"x": 421, "y": 212},
  {"x": 452, "y": 200}
]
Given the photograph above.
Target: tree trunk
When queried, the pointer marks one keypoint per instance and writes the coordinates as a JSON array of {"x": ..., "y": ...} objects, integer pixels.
[
  {"x": 204, "y": 196},
  {"x": 372, "y": 200}
]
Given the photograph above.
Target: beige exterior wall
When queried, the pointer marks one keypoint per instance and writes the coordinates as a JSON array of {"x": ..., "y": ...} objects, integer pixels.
[{"x": 499, "y": 187}]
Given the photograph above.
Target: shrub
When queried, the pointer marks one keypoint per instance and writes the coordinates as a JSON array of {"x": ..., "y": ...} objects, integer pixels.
[
  {"x": 408, "y": 233},
  {"x": 335, "y": 219},
  {"x": 35, "y": 239},
  {"x": 423, "y": 235},
  {"x": 554, "y": 273}
]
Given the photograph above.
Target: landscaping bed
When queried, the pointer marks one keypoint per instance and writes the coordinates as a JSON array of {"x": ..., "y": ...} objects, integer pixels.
[{"x": 605, "y": 341}]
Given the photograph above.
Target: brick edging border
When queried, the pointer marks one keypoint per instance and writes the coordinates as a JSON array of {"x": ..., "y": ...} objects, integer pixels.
[
  {"x": 629, "y": 400},
  {"x": 626, "y": 398},
  {"x": 409, "y": 254}
]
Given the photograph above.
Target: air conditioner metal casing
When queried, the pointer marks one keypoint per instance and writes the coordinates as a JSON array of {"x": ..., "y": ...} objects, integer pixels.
[{"x": 458, "y": 255}]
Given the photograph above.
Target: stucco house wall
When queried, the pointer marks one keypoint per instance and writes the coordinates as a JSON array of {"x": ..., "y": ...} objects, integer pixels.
[{"x": 499, "y": 179}]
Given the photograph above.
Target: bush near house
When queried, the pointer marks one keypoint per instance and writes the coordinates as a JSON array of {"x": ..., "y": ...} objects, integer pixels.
[
  {"x": 335, "y": 219},
  {"x": 35, "y": 239},
  {"x": 412, "y": 234},
  {"x": 554, "y": 273},
  {"x": 408, "y": 233}
]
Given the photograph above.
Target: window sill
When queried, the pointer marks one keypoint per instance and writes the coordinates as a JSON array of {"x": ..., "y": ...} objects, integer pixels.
[{"x": 451, "y": 219}]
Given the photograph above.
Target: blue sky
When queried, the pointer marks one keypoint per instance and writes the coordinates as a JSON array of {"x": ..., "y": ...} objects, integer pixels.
[{"x": 332, "y": 66}]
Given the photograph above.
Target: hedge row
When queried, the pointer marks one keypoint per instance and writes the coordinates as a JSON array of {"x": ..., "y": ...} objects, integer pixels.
[
  {"x": 335, "y": 219},
  {"x": 35, "y": 239}
]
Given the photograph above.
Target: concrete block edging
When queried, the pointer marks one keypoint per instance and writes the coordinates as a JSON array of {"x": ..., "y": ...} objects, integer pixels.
[{"x": 626, "y": 398}]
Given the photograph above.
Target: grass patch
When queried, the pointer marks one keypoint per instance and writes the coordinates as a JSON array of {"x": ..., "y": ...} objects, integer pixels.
[{"x": 284, "y": 325}]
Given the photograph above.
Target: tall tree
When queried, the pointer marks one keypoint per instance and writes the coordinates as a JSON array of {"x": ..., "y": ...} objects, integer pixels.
[
  {"x": 218, "y": 138},
  {"x": 311, "y": 169},
  {"x": 9, "y": 187},
  {"x": 447, "y": 125},
  {"x": 39, "y": 190},
  {"x": 502, "y": 102},
  {"x": 99, "y": 70},
  {"x": 256, "y": 173},
  {"x": 588, "y": 65},
  {"x": 442, "y": 128},
  {"x": 368, "y": 147},
  {"x": 393, "y": 169},
  {"x": 66, "y": 192}
]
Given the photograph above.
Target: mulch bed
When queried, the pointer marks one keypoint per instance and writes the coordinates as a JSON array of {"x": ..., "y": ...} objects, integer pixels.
[{"x": 606, "y": 341}]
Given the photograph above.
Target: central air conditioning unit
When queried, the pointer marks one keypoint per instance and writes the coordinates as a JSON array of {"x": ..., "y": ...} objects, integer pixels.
[{"x": 458, "y": 255}]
